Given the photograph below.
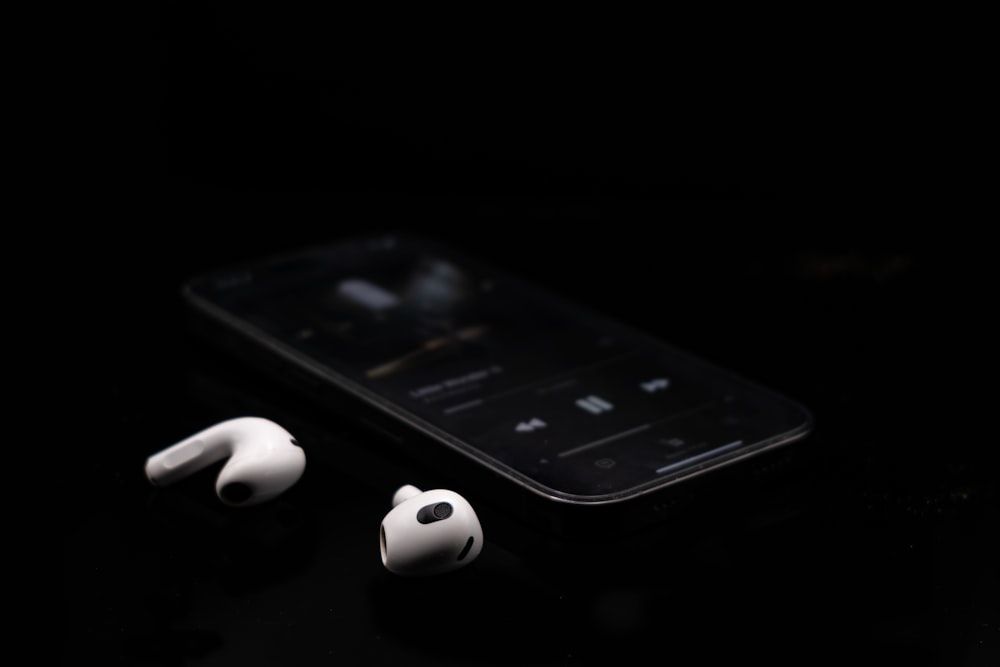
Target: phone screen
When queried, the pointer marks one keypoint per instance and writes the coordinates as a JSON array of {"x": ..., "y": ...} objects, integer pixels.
[{"x": 563, "y": 399}]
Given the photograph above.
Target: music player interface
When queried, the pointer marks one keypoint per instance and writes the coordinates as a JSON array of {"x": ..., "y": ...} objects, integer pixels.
[{"x": 524, "y": 378}]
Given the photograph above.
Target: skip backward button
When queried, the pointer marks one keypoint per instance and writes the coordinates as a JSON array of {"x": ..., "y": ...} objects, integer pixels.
[{"x": 530, "y": 426}]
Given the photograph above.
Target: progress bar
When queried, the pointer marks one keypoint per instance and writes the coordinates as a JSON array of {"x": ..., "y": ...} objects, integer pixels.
[{"x": 603, "y": 441}]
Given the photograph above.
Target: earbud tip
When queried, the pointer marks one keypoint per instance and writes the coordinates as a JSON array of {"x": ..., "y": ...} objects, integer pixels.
[{"x": 404, "y": 493}]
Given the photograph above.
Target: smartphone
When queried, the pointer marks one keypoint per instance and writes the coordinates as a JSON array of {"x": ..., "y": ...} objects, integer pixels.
[{"x": 574, "y": 420}]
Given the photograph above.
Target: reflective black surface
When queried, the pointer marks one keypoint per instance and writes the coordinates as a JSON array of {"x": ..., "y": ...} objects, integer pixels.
[{"x": 881, "y": 549}]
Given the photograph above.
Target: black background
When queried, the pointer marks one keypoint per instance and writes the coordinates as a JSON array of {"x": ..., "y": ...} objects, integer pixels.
[{"x": 798, "y": 205}]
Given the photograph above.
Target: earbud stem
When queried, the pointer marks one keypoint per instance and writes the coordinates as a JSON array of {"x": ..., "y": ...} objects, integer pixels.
[{"x": 183, "y": 458}]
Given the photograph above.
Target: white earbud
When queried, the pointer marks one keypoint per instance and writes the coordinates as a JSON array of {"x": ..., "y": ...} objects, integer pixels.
[
  {"x": 429, "y": 532},
  {"x": 264, "y": 460}
]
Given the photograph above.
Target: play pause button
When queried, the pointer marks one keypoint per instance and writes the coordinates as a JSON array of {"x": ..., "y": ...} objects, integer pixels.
[{"x": 595, "y": 405}]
